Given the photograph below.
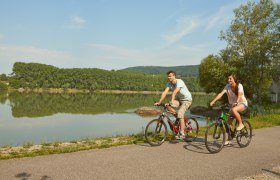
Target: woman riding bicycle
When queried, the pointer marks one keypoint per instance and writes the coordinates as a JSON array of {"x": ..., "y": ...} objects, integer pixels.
[{"x": 236, "y": 98}]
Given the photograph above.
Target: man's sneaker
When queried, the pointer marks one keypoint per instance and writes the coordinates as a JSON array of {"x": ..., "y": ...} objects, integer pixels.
[
  {"x": 227, "y": 143},
  {"x": 179, "y": 136}
]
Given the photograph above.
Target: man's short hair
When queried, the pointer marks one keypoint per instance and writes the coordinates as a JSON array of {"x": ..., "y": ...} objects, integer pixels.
[{"x": 173, "y": 72}]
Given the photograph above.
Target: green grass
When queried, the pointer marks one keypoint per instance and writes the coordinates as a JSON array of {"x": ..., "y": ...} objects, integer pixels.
[
  {"x": 267, "y": 120},
  {"x": 30, "y": 150}
]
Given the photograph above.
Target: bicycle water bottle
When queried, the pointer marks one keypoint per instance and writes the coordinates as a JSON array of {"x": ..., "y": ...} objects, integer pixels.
[{"x": 224, "y": 116}]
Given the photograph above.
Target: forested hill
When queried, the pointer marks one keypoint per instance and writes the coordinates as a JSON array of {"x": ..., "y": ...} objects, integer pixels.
[
  {"x": 35, "y": 75},
  {"x": 190, "y": 71}
]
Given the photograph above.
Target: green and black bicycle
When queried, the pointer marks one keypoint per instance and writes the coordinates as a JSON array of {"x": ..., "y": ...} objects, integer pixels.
[{"x": 215, "y": 135}]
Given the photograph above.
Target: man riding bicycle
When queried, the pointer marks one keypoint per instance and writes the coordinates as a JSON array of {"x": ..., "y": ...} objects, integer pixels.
[{"x": 181, "y": 96}]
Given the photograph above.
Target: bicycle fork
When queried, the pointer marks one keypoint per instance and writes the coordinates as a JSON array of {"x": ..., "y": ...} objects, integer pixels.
[
  {"x": 217, "y": 135},
  {"x": 159, "y": 126},
  {"x": 230, "y": 133}
]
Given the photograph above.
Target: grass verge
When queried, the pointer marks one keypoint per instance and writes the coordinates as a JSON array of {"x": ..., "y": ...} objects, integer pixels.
[{"x": 29, "y": 150}]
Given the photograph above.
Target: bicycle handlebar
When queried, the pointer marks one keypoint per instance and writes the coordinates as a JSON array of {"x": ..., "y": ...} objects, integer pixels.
[
  {"x": 161, "y": 104},
  {"x": 165, "y": 109},
  {"x": 223, "y": 106}
]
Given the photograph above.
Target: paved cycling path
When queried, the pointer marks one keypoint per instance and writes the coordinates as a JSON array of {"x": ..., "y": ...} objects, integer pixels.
[{"x": 172, "y": 160}]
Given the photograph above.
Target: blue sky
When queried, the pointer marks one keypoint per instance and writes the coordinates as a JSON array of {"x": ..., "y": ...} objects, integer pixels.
[{"x": 112, "y": 34}]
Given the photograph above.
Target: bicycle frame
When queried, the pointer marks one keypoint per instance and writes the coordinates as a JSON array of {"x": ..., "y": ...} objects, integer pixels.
[
  {"x": 224, "y": 116},
  {"x": 215, "y": 133},
  {"x": 174, "y": 125}
]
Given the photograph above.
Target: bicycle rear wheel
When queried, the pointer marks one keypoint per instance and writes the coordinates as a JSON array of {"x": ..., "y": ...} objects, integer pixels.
[
  {"x": 156, "y": 132},
  {"x": 244, "y": 137},
  {"x": 215, "y": 138},
  {"x": 191, "y": 130}
]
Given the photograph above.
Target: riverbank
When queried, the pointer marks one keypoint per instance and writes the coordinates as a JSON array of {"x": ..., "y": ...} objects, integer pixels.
[
  {"x": 71, "y": 90},
  {"x": 31, "y": 150}
]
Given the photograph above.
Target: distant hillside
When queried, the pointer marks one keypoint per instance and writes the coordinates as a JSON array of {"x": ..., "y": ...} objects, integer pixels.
[
  {"x": 35, "y": 75},
  {"x": 191, "y": 71}
]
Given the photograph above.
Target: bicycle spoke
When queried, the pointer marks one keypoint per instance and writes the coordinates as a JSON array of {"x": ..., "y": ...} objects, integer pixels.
[
  {"x": 244, "y": 136},
  {"x": 191, "y": 130},
  {"x": 155, "y": 132},
  {"x": 214, "y": 138}
]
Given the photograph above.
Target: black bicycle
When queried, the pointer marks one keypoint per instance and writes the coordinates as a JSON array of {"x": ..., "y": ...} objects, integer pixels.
[
  {"x": 215, "y": 135},
  {"x": 156, "y": 130}
]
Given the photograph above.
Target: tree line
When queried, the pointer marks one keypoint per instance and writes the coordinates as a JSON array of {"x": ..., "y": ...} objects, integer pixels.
[
  {"x": 35, "y": 75},
  {"x": 181, "y": 71}
]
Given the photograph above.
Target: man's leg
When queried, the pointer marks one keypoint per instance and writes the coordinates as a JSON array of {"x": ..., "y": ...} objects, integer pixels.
[
  {"x": 172, "y": 110},
  {"x": 181, "y": 114}
]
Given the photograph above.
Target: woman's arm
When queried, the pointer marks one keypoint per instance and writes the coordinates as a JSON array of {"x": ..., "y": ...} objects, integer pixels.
[
  {"x": 240, "y": 93},
  {"x": 217, "y": 97}
]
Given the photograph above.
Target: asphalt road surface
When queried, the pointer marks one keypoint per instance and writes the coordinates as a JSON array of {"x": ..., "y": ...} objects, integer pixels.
[{"x": 172, "y": 160}]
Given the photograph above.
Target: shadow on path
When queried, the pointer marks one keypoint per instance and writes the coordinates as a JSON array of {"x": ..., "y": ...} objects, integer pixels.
[
  {"x": 26, "y": 176},
  {"x": 272, "y": 172}
]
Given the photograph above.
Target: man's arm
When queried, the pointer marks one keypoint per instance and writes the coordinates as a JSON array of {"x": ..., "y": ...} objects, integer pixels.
[
  {"x": 173, "y": 96},
  {"x": 163, "y": 95}
]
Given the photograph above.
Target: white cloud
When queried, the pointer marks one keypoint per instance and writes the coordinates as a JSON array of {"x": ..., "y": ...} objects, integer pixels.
[
  {"x": 119, "y": 57},
  {"x": 76, "y": 22},
  {"x": 11, "y": 53},
  {"x": 184, "y": 26},
  {"x": 221, "y": 18},
  {"x": 104, "y": 56}
]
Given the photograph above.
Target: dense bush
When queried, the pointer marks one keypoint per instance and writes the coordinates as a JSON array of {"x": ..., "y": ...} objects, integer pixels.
[{"x": 3, "y": 86}]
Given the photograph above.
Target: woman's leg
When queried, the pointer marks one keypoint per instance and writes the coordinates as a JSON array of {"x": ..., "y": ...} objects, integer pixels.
[{"x": 235, "y": 111}]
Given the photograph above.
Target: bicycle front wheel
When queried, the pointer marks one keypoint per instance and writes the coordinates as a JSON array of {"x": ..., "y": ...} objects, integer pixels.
[
  {"x": 215, "y": 138},
  {"x": 191, "y": 130},
  {"x": 156, "y": 132},
  {"x": 244, "y": 137}
]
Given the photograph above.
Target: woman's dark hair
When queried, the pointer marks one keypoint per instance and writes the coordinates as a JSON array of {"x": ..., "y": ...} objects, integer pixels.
[{"x": 236, "y": 81}]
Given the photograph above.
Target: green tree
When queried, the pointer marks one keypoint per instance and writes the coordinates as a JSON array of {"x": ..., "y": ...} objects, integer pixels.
[
  {"x": 3, "y": 86},
  {"x": 253, "y": 44},
  {"x": 3, "y": 77},
  {"x": 213, "y": 73},
  {"x": 276, "y": 80}
]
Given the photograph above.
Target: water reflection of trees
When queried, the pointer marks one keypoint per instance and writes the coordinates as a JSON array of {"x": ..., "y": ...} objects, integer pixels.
[
  {"x": 3, "y": 96},
  {"x": 46, "y": 104}
]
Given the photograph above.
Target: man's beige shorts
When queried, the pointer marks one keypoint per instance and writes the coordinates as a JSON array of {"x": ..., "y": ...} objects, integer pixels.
[{"x": 184, "y": 106}]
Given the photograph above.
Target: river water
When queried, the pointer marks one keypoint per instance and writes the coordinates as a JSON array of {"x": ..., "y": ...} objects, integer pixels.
[{"x": 43, "y": 117}]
